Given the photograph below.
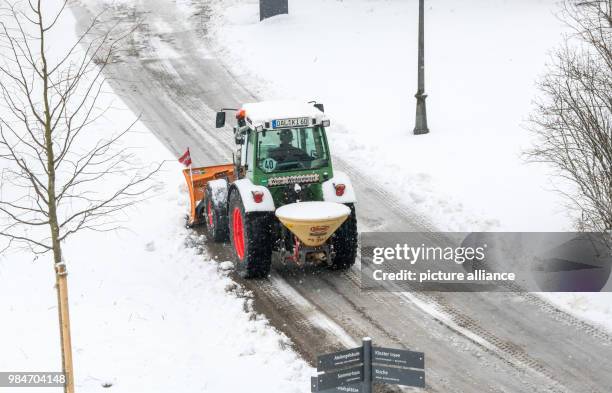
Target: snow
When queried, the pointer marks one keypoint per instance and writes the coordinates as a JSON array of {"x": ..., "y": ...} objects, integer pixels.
[
  {"x": 483, "y": 59},
  {"x": 329, "y": 189},
  {"x": 150, "y": 310},
  {"x": 313, "y": 211},
  {"x": 218, "y": 188},
  {"x": 358, "y": 57},
  {"x": 593, "y": 307},
  {"x": 266, "y": 111},
  {"x": 246, "y": 188}
]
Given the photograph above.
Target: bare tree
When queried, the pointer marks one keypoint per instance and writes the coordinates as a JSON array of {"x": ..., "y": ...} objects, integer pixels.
[
  {"x": 59, "y": 178},
  {"x": 573, "y": 117}
]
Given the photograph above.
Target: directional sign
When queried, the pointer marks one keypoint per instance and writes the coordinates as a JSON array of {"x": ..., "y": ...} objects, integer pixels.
[
  {"x": 334, "y": 379},
  {"x": 398, "y": 357},
  {"x": 353, "y": 388},
  {"x": 342, "y": 359},
  {"x": 398, "y": 376},
  {"x": 355, "y": 370}
]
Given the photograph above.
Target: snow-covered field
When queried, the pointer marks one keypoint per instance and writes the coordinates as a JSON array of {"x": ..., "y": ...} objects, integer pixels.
[
  {"x": 151, "y": 312},
  {"x": 359, "y": 58}
]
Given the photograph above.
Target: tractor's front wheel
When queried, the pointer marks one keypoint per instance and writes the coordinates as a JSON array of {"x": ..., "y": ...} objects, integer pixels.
[
  {"x": 216, "y": 218},
  {"x": 250, "y": 235},
  {"x": 344, "y": 242}
]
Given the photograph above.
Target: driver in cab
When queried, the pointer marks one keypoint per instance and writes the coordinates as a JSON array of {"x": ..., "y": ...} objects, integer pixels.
[{"x": 286, "y": 152}]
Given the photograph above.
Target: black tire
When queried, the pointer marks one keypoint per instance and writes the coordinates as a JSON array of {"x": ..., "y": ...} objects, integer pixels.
[
  {"x": 200, "y": 215},
  {"x": 215, "y": 215},
  {"x": 254, "y": 257},
  {"x": 344, "y": 242}
]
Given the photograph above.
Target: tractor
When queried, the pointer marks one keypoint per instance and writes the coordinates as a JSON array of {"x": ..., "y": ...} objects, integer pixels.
[{"x": 280, "y": 199}]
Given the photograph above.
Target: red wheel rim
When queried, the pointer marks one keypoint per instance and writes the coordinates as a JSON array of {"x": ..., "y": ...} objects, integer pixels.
[
  {"x": 210, "y": 214},
  {"x": 238, "y": 233}
]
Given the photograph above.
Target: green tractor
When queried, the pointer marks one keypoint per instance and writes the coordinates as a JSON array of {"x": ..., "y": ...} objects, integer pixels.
[{"x": 280, "y": 198}]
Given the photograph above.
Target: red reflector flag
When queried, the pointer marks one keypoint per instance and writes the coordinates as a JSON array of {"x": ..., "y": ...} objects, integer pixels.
[{"x": 185, "y": 159}]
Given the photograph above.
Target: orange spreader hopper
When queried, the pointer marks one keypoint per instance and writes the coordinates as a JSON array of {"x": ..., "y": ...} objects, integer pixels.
[
  {"x": 313, "y": 222},
  {"x": 197, "y": 185}
]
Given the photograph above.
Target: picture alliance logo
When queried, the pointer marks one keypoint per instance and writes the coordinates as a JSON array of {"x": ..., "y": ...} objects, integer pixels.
[
  {"x": 539, "y": 261},
  {"x": 411, "y": 254},
  {"x": 554, "y": 262}
]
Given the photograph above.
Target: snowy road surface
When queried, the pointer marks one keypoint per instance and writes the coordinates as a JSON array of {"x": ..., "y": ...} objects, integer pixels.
[{"x": 474, "y": 342}]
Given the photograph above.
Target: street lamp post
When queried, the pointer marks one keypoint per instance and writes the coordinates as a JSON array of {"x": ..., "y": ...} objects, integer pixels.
[{"x": 421, "y": 109}]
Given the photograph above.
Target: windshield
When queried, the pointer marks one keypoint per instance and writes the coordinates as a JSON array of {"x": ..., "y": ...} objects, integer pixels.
[{"x": 291, "y": 149}]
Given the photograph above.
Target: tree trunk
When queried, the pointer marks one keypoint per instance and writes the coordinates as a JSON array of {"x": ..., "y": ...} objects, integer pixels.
[{"x": 61, "y": 272}]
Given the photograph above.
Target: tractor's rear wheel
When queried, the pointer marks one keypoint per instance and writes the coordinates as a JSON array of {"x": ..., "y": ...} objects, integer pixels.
[
  {"x": 215, "y": 216},
  {"x": 250, "y": 235},
  {"x": 344, "y": 242}
]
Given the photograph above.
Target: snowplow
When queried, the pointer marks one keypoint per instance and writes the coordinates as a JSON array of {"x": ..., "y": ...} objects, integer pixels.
[{"x": 280, "y": 198}]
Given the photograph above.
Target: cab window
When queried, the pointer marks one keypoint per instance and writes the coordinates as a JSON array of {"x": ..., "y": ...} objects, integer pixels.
[{"x": 291, "y": 149}]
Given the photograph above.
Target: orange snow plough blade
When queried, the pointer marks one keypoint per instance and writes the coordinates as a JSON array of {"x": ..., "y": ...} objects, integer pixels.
[{"x": 197, "y": 179}]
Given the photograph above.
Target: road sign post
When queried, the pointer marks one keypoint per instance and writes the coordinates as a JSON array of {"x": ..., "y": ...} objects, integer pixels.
[
  {"x": 367, "y": 361},
  {"x": 355, "y": 370}
]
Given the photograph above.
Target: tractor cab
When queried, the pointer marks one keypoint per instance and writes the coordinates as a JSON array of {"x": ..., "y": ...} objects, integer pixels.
[
  {"x": 291, "y": 149},
  {"x": 281, "y": 144}
]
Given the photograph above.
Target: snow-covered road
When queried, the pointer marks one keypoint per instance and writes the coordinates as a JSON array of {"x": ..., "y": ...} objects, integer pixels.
[{"x": 473, "y": 341}]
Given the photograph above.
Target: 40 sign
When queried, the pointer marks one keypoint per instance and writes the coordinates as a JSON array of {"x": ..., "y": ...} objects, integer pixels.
[{"x": 355, "y": 370}]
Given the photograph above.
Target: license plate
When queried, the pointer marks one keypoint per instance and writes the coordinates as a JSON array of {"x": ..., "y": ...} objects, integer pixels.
[{"x": 291, "y": 123}]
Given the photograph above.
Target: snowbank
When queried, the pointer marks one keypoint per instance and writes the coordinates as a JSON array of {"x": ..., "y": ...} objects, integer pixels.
[{"x": 593, "y": 307}]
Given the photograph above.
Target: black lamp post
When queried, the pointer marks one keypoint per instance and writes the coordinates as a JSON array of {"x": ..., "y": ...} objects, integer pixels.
[{"x": 421, "y": 108}]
